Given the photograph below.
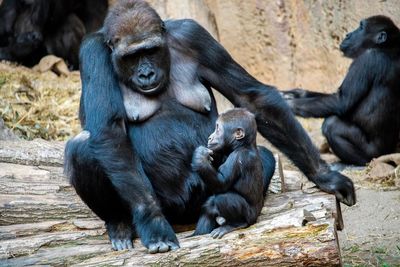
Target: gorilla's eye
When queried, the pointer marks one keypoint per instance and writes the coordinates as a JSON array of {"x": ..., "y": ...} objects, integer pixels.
[
  {"x": 152, "y": 51},
  {"x": 115, "y": 40}
]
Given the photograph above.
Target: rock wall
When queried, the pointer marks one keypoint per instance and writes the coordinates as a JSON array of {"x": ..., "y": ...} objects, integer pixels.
[
  {"x": 287, "y": 43},
  {"x": 292, "y": 43}
]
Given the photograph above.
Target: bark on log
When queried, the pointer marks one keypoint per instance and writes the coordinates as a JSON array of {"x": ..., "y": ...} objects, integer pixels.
[
  {"x": 36, "y": 152},
  {"x": 43, "y": 222}
]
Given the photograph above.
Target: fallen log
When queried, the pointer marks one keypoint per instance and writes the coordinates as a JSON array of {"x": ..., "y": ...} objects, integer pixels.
[{"x": 43, "y": 222}]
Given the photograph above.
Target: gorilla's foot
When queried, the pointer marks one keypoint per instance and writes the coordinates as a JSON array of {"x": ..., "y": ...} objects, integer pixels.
[{"x": 121, "y": 235}]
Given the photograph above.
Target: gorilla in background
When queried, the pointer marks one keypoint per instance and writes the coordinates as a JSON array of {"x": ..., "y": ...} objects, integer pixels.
[
  {"x": 147, "y": 104},
  {"x": 31, "y": 29},
  {"x": 362, "y": 119}
]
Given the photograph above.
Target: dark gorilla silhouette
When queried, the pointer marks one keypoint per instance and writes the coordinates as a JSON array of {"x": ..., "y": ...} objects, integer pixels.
[
  {"x": 362, "y": 117},
  {"x": 31, "y": 29}
]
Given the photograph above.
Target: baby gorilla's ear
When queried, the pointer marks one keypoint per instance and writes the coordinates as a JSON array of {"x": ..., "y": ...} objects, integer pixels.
[
  {"x": 239, "y": 133},
  {"x": 381, "y": 37},
  {"x": 110, "y": 44}
]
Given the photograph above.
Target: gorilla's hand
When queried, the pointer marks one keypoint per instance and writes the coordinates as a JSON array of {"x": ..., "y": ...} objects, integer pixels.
[
  {"x": 335, "y": 183},
  {"x": 201, "y": 157},
  {"x": 294, "y": 93},
  {"x": 292, "y": 97}
]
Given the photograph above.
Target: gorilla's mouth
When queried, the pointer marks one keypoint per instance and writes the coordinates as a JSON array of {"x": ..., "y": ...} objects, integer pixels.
[
  {"x": 213, "y": 146},
  {"x": 152, "y": 89}
]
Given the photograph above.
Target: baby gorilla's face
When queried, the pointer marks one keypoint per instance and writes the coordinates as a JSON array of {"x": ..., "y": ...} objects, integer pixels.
[{"x": 216, "y": 141}]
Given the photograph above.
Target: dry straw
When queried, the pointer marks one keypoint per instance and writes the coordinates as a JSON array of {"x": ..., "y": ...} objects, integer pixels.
[{"x": 39, "y": 105}]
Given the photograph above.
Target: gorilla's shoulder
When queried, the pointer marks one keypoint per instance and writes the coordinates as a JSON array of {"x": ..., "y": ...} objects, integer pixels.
[
  {"x": 181, "y": 25},
  {"x": 187, "y": 32}
]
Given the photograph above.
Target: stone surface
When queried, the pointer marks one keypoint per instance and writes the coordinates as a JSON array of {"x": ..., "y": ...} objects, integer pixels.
[
  {"x": 5, "y": 133},
  {"x": 291, "y": 43}
]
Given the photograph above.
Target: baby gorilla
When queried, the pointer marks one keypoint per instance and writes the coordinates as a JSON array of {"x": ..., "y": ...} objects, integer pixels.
[{"x": 233, "y": 175}]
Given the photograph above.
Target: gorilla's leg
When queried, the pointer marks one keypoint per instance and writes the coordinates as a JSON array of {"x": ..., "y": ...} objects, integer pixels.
[
  {"x": 207, "y": 221},
  {"x": 95, "y": 189},
  {"x": 85, "y": 160},
  {"x": 348, "y": 141},
  {"x": 224, "y": 213}
]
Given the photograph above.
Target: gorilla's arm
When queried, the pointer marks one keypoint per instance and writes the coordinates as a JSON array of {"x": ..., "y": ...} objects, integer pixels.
[
  {"x": 301, "y": 93},
  {"x": 217, "y": 180},
  {"x": 102, "y": 113},
  {"x": 321, "y": 106},
  {"x": 274, "y": 119},
  {"x": 353, "y": 89}
]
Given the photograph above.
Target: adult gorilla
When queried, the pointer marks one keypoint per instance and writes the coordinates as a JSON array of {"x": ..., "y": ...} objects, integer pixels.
[
  {"x": 147, "y": 104},
  {"x": 31, "y": 29},
  {"x": 362, "y": 119}
]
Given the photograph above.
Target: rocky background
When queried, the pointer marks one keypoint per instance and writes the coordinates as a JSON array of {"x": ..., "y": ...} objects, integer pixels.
[{"x": 286, "y": 43}]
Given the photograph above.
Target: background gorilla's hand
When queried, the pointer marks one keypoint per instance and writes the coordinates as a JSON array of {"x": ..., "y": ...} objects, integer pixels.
[{"x": 294, "y": 93}]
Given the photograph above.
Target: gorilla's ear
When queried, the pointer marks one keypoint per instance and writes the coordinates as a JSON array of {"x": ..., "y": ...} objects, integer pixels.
[
  {"x": 381, "y": 37},
  {"x": 110, "y": 44},
  {"x": 239, "y": 133}
]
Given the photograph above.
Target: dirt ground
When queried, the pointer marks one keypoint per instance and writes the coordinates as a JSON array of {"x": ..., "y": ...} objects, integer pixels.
[{"x": 371, "y": 236}]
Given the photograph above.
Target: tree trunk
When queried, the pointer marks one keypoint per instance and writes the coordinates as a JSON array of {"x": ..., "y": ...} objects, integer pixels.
[{"x": 43, "y": 222}]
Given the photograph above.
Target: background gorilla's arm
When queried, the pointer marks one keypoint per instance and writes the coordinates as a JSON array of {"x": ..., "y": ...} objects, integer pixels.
[
  {"x": 354, "y": 88},
  {"x": 274, "y": 119},
  {"x": 320, "y": 106},
  {"x": 301, "y": 93}
]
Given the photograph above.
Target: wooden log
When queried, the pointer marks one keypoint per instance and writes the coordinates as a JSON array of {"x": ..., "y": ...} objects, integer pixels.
[
  {"x": 37, "y": 193},
  {"x": 281, "y": 237},
  {"x": 43, "y": 222},
  {"x": 36, "y": 152}
]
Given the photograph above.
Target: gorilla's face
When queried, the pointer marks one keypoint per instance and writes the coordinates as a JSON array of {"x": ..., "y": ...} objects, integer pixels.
[
  {"x": 142, "y": 64},
  {"x": 373, "y": 32}
]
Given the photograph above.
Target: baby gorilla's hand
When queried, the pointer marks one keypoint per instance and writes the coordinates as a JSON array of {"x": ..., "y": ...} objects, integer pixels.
[{"x": 201, "y": 157}]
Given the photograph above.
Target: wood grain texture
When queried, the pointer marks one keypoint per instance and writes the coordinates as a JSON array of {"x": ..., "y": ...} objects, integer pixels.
[{"x": 43, "y": 222}]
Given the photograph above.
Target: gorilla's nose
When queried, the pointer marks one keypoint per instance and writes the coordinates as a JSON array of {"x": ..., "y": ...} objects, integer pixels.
[{"x": 146, "y": 76}]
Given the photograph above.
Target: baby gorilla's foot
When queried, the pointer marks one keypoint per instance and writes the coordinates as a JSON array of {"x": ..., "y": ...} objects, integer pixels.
[
  {"x": 224, "y": 229},
  {"x": 221, "y": 231}
]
